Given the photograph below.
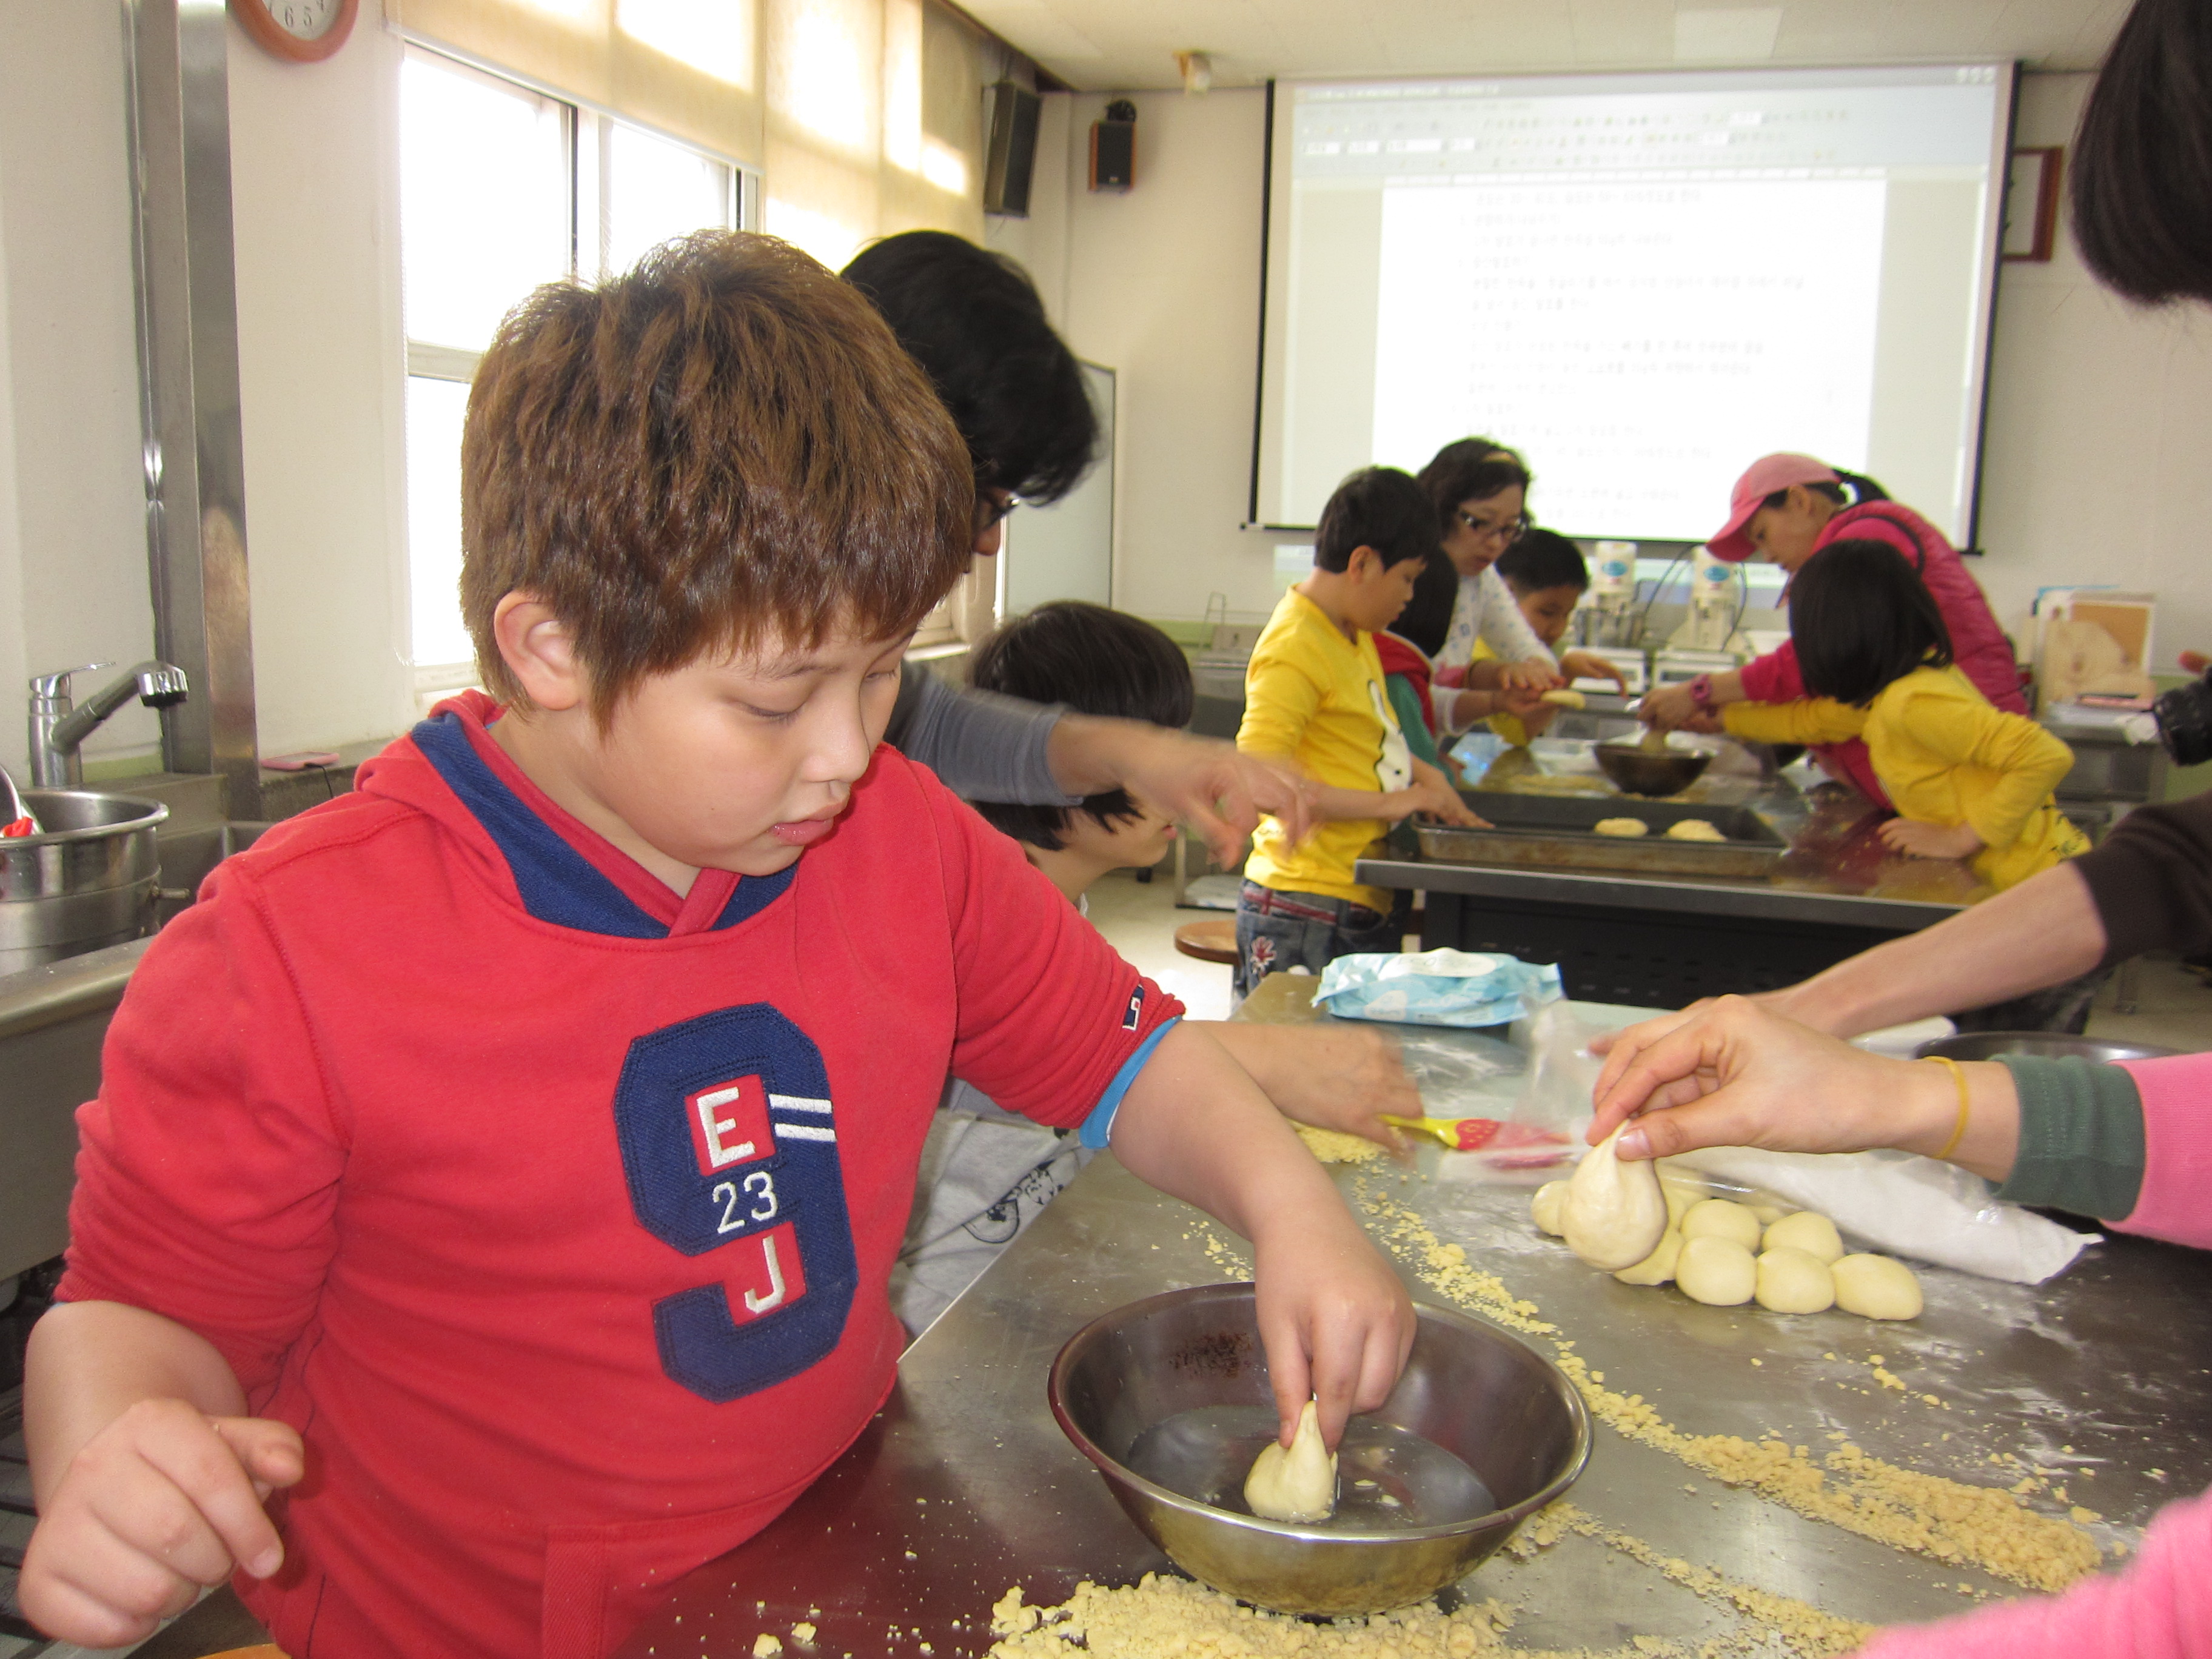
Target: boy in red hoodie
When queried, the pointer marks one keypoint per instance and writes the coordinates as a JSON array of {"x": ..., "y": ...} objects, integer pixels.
[{"x": 506, "y": 1162}]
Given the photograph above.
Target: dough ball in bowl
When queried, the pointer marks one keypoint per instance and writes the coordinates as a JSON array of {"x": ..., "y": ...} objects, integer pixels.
[
  {"x": 1717, "y": 1271},
  {"x": 1792, "y": 1282},
  {"x": 1722, "y": 1217}
]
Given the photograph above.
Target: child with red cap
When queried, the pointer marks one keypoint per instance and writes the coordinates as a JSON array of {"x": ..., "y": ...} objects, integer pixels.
[{"x": 1788, "y": 507}]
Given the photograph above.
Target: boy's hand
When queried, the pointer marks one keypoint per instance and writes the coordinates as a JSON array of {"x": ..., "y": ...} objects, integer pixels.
[
  {"x": 163, "y": 1501},
  {"x": 1929, "y": 841},
  {"x": 1336, "y": 1322},
  {"x": 1335, "y": 1076},
  {"x": 1432, "y": 792},
  {"x": 1588, "y": 665},
  {"x": 1531, "y": 674}
]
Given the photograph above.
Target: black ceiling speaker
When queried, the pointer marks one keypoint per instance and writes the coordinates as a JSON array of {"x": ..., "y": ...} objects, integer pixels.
[
  {"x": 1010, "y": 157},
  {"x": 1114, "y": 146}
]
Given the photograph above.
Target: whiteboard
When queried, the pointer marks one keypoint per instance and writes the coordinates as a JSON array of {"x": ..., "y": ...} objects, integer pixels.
[{"x": 1066, "y": 552}]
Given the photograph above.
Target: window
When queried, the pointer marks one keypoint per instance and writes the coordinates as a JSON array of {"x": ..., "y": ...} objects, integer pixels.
[{"x": 502, "y": 188}]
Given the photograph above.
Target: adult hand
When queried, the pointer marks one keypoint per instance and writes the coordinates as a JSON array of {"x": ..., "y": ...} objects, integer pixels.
[
  {"x": 163, "y": 1502},
  {"x": 1589, "y": 666},
  {"x": 1929, "y": 841},
  {"x": 1669, "y": 708},
  {"x": 1533, "y": 674},
  {"x": 1336, "y": 1322},
  {"x": 1213, "y": 786},
  {"x": 1523, "y": 703},
  {"x": 1731, "y": 1073}
]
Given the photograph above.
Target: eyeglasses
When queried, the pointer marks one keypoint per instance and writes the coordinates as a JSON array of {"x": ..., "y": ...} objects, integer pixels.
[
  {"x": 991, "y": 507},
  {"x": 1509, "y": 532}
]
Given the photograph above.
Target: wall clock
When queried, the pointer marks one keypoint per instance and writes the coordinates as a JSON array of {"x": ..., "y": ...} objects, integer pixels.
[{"x": 298, "y": 31}]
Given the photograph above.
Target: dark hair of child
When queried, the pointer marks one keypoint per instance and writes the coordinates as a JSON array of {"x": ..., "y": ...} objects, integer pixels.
[
  {"x": 1096, "y": 662},
  {"x": 1427, "y": 617},
  {"x": 632, "y": 456},
  {"x": 973, "y": 320},
  {"x": 1862, "y": 490},
  {"x": 2142, "y": 158},
  {"x": 1542, "y": 559},
  {"x": 1469, "y": 469},
  {"x": 1860, "y": 619},
  {"x": 1377, "y": 506}
]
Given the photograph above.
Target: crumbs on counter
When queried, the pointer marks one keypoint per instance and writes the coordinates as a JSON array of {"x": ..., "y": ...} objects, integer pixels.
[
  {"x": 1930, "y": 1515},
  {"x": 1334, "y": 1146}
]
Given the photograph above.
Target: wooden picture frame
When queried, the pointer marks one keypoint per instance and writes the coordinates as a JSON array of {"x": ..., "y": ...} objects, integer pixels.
[{"x": 2031, "y": 220}]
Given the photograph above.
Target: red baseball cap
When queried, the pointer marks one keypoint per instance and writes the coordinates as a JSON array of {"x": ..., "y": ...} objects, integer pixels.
[{"x": 1762, "y": 479}]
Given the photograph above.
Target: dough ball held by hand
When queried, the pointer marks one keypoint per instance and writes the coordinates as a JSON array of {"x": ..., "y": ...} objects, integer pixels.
[
  {"x": 1298, "y": 1485},
  {"x": 1717, "y": 1271},
  {"x": 1551, "y": 1198},
  {"x": 1722, "y": 1217},
  {"x": 1614, "y": 1212}
]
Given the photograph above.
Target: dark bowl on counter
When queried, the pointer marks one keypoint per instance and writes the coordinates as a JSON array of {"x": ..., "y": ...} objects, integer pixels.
[
  {"x": 1493, "y": 1402},
  {"x": 1636, "y": 770},
  {"x": 2041, "y": 1045}
]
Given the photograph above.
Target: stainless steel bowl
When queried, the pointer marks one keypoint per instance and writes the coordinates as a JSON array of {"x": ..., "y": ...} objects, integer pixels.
[
  {"x": 1637, "y": 770},
  {"x": 2042, "y": 1045},
  {"x": 86, "y": 880},
  {"x": 1503, "y": 1410}
]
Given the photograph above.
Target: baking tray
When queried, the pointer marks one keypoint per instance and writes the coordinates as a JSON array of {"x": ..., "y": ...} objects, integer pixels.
[{"x": 1555, "y": 832}]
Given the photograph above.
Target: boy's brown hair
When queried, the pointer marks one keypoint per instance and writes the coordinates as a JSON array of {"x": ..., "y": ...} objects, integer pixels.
[{"x": 724, "y": 448}]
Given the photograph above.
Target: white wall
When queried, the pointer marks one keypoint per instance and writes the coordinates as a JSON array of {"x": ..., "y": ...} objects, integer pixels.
[
  {"x": 315, "y": 198},
  {"x": 2100, "y": 415},
  {"x": 2100, "y": 425},
  {"x": 73, "y": 581}
]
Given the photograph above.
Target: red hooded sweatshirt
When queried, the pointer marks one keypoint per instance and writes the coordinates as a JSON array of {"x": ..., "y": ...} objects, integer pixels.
[{"x": 556, "y": 1211}]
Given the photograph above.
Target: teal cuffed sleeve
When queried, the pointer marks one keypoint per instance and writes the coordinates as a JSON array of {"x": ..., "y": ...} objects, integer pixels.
[
  {"x": 1406, "y": 703},
  {"x": 2080, "y": 1137}
]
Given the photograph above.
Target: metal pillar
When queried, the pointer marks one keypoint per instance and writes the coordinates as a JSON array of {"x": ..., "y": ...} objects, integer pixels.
[{"x": 179, "y": 102}]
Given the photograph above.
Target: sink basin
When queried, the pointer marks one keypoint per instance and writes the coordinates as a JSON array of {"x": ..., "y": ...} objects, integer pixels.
[{"x": 87, "y": 880}]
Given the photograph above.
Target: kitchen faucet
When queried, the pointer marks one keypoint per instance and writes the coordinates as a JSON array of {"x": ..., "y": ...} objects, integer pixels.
[{"x": 57, "y": 728}]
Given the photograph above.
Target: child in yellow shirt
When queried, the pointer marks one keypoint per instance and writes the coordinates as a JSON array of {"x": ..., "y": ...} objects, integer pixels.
[
  {"x": 1969, "y": 781},
  {"x": 1315, "y": 694}
]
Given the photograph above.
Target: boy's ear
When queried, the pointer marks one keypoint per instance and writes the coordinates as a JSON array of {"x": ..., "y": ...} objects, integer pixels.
[
  {"x": 1365, "y": 564},
  {"x": 535, "y": 646}
]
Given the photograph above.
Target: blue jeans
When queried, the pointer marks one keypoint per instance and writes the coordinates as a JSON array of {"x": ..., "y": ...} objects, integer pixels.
[{"x": 1277, "y": 932}]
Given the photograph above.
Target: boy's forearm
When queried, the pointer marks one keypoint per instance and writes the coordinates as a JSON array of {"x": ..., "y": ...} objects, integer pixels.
[
  {"x": 89, "y": 1362},
  {"x": 1196, "y": 1125}
]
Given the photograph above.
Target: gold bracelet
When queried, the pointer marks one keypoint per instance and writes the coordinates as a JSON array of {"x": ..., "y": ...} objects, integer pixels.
[{"x": 1958, "y": 1077}]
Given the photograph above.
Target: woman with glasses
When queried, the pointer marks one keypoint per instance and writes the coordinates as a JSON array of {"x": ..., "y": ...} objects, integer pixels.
[
  {"x": 1480, "y": 491},
  {"x": 1786, "y": 508}
]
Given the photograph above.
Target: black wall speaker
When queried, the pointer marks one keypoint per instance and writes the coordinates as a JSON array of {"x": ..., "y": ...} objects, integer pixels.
[
  {"x": 1114, "y": 146},
  {"x": 1010, "y": 156}
]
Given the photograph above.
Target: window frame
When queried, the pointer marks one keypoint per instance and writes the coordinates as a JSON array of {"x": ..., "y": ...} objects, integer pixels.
[{"x": 587, "y": 134}]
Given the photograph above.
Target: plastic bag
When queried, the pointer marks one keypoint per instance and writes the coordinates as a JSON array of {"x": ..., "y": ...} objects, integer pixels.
[
  {"x": 1562, "y": 1072},
  {"x": 1908, "y": 1206},
  {"x": 1460, "y": 988}
]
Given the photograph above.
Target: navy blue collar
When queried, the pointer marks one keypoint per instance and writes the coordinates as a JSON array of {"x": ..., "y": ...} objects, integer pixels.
[{"x": 558, "y": 883}]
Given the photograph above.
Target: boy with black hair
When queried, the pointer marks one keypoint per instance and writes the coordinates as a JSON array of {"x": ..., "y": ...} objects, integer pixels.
[
  {"x": 1546, "y": 575},
  {"x": 974, "y": 321},
  {"x": 1315, "y": 696},
  {"x": 518, "y": 1146}
]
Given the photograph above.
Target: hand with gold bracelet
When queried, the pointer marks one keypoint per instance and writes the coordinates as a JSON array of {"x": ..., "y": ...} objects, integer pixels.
[{"x": 1732, "y": 1073}]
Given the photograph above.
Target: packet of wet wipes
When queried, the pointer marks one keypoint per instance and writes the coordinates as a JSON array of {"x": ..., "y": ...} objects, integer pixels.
[{"x": 1464, "y": 989}]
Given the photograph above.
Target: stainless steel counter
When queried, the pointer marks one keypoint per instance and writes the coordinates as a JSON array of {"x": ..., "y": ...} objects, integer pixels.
[{"x": 963, "y": 1486}]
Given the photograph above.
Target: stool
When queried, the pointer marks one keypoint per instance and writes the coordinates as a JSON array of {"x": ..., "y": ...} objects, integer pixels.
[{"x": 1209, "y": 941}]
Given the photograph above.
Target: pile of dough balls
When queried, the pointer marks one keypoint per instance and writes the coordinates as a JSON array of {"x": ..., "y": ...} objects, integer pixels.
[{"x": 1725, "y": 1253}]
